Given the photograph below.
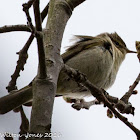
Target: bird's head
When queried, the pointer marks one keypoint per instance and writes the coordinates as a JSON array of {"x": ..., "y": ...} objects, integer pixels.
[{"x": 119, "y": 43}]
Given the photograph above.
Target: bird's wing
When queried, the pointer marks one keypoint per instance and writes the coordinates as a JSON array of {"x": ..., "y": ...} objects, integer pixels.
[{"x": 84, "y": 42}]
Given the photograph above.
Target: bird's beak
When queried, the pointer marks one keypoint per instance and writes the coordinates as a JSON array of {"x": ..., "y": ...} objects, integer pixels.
[{"x": 129, "y": 51}]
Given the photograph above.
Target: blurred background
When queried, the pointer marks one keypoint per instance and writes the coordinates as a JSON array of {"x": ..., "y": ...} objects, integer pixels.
[{"x": 90, "y": 18}]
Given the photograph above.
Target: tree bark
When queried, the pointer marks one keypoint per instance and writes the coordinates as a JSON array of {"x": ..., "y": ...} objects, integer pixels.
[{"x": 44, "y": 89}]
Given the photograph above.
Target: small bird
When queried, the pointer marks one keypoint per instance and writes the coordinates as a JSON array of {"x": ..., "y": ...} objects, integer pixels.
[{"x": 99, "y": 58}]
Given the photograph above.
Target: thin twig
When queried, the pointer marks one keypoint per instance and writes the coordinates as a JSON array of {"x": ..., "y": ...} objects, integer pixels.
[
  {"x": 11, "y": 28},
  {"x": 128, "y": 94},
  {"x": 44, "y": 12},
  {"x": 26, "y": 10},
  {"x": 20, "y": 64},
  {"x": 24, "y": 128},
  {"x": 125, "y": 108},
  {"x": 29, "y": 4},
  {"x": 22, "y": 55}
]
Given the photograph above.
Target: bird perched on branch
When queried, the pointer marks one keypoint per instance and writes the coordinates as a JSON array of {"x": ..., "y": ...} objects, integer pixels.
[{"x": 99, "y": 58}]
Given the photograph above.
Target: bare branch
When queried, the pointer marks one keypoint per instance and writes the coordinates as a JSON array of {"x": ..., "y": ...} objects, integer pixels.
[
  {"x": 26, "y": 10},
  {"x": 11, "y": 28},
  {"x": 23, "y": 56},
  {"x": 44, "y": 12},
  {"x": 74, "y": 3},
  {"x": 41, "y": 53},
  {"x": 122, "y": 107},
  {"x": 99, "y": 95},
  {"x": 15, "y": 99},
  {"x": 20, "y": 64},
  {"x": 57, "y": 19},
  {"x": 22, "y": 53},
  {"x": 128, "y": 94},
  {"x": 137, "y": 44},
  {"x": 29, "y": 4},
  {"x": 24, "y": 128}
]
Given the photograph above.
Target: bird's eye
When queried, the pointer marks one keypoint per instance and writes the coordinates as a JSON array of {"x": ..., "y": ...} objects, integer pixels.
[{"x": 117, "y": 43}]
